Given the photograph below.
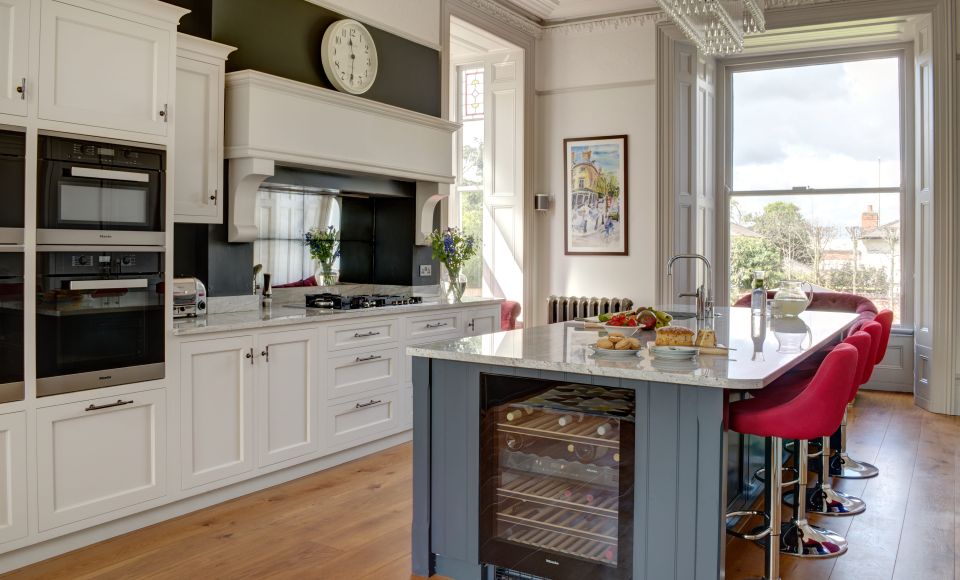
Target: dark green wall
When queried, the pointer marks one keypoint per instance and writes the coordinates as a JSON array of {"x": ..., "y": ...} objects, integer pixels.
[{"x": 282, "y": 37}]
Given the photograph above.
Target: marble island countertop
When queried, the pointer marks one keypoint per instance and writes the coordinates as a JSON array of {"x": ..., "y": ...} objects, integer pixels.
[
  {"x": 287, "y": 314},
  {"x": 759, "y": 353}
]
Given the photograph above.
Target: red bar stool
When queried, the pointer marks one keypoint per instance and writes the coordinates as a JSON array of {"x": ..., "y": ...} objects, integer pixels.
[
  {"x": 841, "y": 464},
  {"x": 814, "y": 412}
]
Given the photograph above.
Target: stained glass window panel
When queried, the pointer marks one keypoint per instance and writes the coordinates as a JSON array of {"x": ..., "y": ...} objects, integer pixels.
[{"x": 472, "y": 94}]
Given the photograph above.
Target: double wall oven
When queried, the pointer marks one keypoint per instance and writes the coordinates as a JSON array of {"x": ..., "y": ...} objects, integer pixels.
[{"x": 100, "y": 265}]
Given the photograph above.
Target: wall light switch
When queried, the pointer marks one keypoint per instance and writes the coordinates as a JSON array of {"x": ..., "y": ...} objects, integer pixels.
[{"x": 426, "y": 270}]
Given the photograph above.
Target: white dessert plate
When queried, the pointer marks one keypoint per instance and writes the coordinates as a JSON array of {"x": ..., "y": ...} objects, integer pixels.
[
  {"x": 610, "y": 353},
  {"x": 675, "y": 352}
]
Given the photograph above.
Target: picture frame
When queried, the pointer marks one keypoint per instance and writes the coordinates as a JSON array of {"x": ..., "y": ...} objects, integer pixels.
[{"x": 595, "y": 196}]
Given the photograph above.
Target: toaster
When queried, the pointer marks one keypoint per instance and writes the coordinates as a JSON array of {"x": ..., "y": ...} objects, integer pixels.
[{"x": 189, "y": 298}]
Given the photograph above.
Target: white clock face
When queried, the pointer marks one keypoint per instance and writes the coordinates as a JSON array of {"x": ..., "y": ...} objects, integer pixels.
[{"x": 349, "y": 56}]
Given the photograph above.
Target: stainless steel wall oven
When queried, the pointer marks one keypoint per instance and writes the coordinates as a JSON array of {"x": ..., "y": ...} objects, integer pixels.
[
  {"x": 99, "y": 193},
  {"x": 11, "y": 325},
  {"x": 556, "y": 479},
  {"x": 99, "y": 318}
]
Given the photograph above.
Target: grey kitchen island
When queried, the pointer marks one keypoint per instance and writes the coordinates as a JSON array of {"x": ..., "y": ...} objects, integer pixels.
[{"x": 533, "y": 456}]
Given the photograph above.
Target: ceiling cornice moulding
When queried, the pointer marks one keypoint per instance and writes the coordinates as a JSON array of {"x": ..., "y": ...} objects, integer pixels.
[
  {"x": 606, "y": 24},
  {"x": 505, "y": 15}
]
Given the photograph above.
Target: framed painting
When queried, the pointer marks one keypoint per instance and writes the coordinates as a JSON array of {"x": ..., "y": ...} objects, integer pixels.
[{"x": 595, "y": 196}]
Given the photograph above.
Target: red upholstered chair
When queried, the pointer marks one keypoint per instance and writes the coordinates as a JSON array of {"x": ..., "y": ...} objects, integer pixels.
[
  {"x": 509, "y": 312},
  {"x": 841, "y": 464},
  {"x": 814, "y": 412}
]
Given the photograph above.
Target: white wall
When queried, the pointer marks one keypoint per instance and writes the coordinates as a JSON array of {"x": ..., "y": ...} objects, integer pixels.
[
  {"x": 417, "y": 20},
  {"x": 593, "y": 81}
]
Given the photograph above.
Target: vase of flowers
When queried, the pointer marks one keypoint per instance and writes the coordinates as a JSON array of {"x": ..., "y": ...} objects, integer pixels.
[
  {"x": 324, "y": 244},
  {"x": 452, "y": 248}
]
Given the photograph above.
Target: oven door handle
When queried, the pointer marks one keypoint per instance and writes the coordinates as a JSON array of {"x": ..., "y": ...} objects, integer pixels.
[
  {"x": 108, "y": 284},
  {"x": 110, "y": 174}
]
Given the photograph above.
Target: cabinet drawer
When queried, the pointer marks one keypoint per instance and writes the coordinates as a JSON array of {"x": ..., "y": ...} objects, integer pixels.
[
  {"x": 370, "y": 332},
  {"x": 438, "y": 324},
  {"x": 97, "y": 456},
  {"x": 360, "y": 420},
  {"x": 361, "y": 371}
]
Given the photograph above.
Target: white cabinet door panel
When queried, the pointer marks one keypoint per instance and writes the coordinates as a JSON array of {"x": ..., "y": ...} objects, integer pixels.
[
  {"x": 361, "y": 420},
  {"x": 362, "y": 371},
  {"x": 98, "y": 456},
  {"x": 482, "y": 321},
  {"x": 199, "y": 149},
  {"x": 370, "y": 331},
  {"x": 288, "y": 385},
  {"x": 14, "y": 53},
  {"x": 216, "y": 420},
  {"x": 13, "y": 477},
  {"x": 101, "y": 70}
]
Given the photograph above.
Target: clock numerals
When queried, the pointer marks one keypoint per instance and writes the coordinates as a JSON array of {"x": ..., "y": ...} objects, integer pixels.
[{"x": 350, "y": 57}]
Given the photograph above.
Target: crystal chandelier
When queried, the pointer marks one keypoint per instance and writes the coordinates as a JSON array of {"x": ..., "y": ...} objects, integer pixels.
[{"x": 716, "y": 26}]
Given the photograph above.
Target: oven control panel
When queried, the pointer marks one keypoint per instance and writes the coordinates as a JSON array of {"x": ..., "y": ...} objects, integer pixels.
[{"x": 94, "y": 153}]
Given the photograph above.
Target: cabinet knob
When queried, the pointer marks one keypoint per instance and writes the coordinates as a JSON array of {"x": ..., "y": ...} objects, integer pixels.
[
  {"x": 163, "y": 113},
  {"x": 22, "y": 89}
]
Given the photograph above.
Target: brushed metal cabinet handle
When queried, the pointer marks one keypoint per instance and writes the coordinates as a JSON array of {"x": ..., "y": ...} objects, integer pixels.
[
  {"x": 438, "y": 325},
  {"x": 368, "y": 358},
  {"x": 266, "y": 353},
  {"x": 370, "y": 404},
  {"x": 366, "y": 334},
  {"x": 119, "y": 403},
  {"x": 249, "y": 356}
]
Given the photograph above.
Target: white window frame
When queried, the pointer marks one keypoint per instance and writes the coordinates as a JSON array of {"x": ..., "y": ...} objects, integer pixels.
[{"x": 727, "y": 68}]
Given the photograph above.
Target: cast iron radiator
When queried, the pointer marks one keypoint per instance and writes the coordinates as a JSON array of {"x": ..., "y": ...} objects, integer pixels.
[{"x": 564, "y": 308}]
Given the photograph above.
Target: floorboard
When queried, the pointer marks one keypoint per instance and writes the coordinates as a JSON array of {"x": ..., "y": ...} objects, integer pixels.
[{"x": 353, "y": 521}]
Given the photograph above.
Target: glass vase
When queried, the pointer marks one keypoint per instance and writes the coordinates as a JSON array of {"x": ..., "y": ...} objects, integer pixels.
[
  {"x": 326, "y": 275},
  {"x": 453, "y": 285}
]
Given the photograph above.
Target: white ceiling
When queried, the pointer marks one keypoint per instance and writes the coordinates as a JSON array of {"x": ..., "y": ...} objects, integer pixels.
[
  {"x": 549, "y": 10},
  {"x": 468, "y": 41}
]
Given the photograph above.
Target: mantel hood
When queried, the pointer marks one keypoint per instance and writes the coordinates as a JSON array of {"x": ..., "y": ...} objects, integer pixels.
[{"x": 271, "y": 120}]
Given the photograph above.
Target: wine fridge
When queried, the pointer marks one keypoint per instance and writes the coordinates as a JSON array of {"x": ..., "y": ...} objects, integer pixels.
[{"x": 556, "y": 479}]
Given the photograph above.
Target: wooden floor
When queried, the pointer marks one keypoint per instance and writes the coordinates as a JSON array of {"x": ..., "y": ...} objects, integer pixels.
[{"x": 353, "y": 521}]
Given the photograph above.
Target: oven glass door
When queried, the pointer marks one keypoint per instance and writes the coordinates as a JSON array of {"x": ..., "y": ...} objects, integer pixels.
[
  {"x": 98, "y": 331},
  {"x": 89, "y": 197},
  {"x": 11, "y": 327}
]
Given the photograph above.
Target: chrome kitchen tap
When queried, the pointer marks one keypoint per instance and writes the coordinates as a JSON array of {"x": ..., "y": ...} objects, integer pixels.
[{"x": 704, "y": 295}]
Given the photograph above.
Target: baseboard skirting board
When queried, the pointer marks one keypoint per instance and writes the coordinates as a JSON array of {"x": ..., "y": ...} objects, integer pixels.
[{"x": 61, "y": 545}]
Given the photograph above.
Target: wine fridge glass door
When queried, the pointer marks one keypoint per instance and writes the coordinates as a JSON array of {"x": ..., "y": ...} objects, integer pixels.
[{"x": 556, "y": 478}]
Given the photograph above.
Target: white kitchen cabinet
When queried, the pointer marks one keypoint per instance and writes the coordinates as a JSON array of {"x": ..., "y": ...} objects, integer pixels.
[
  {"x": 216, "y": 413},
  {"x": 371, "y": 331},
  {"x": 14, "y": 56},
  {"x": 198, "y": 119},
  {"x": 360, "y": 420},
  {"x": 479, "y": 321},
  {"x": 13, "y": 477},
  {"x": 287, "y": 394},
  {"x": 107, "y": 69},
  {"x": 98, "y": 456},
  {"x": 349, "y": 375}
]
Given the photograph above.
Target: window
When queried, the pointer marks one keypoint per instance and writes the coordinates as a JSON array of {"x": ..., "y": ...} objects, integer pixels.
[
  {"x": 470, "y": 175},
  {"x": 817, "y": 175}
]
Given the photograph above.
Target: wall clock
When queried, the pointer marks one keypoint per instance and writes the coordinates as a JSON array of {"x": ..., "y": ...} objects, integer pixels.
[{"x": 349, "y": 56}]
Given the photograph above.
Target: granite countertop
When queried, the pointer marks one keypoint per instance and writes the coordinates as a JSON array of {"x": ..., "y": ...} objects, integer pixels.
[
  {"x": 287, "y": 314},
  {"x": 564, "y": 347}
]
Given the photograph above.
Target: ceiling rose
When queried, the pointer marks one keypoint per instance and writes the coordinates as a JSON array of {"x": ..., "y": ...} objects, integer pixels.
[{"x": 716, "y": 26}]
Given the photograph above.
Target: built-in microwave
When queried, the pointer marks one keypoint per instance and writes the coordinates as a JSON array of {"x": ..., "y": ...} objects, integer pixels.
[
  {"x": 99, "y": 193},
  {"x": 11, "y": 325},
  {"x": 99, "y": 318},
  {"x": 12, "y": 171}
]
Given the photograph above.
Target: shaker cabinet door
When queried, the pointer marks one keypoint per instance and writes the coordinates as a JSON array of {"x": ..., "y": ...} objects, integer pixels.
[
  {"x": 13, "y": 477},
  {"x": 288, "y": 387},
  {"x": 101, "y": 455},
  {"x": 198, "y": 191},
  {"x": 14, "y": 79},
  {"x": 102, "y": 70},
  {"x": 216, "y": 409}
]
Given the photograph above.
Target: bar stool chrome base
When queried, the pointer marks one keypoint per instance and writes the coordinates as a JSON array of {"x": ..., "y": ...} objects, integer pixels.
[
  {"x": 826, "y": 501},
  {"x": 846, "y": 467},
  {"x": 801, "y": 539}
]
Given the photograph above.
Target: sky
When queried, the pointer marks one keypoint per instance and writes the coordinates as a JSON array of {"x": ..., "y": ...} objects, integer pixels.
[{"x": 828, "y": 125}]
